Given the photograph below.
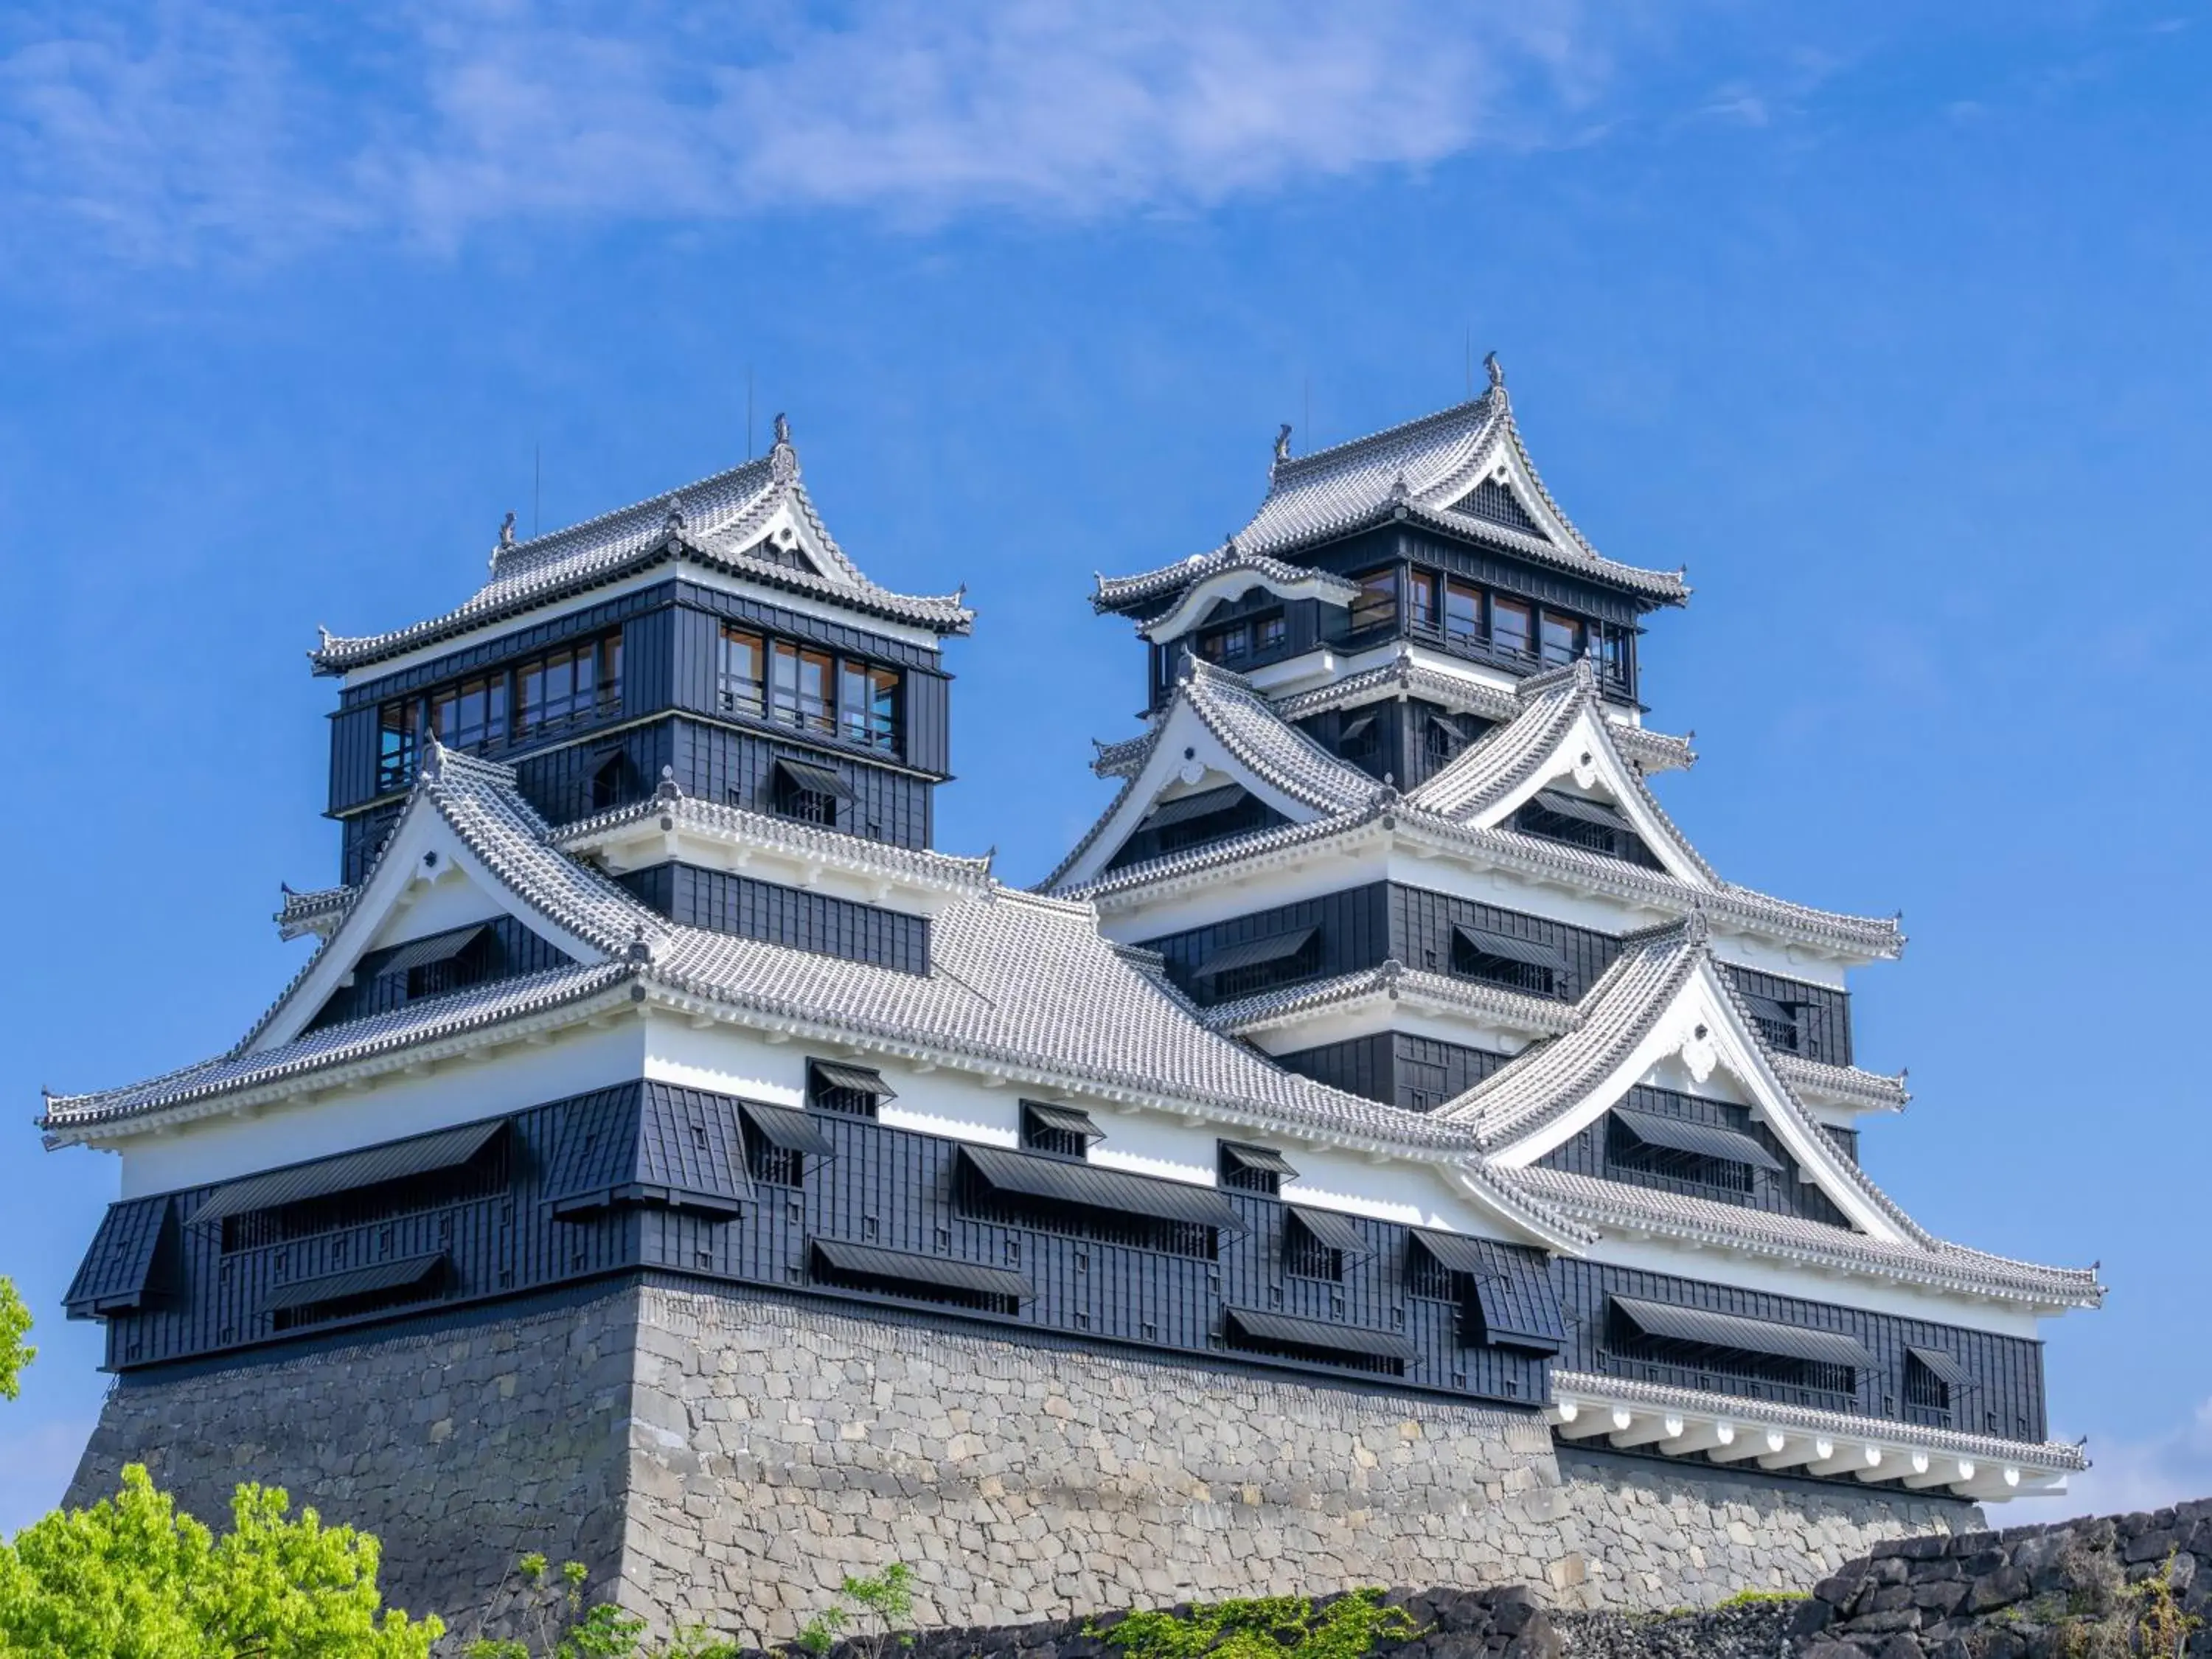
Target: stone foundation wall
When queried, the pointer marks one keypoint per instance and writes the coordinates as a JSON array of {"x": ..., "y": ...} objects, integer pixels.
[
  {"x": 460, "y": 1449},
  {"x": 726, "y": 1458}
]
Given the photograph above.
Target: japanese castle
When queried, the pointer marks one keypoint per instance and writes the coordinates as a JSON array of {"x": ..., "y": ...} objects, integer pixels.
[{"x": 1382, "y": 1033}]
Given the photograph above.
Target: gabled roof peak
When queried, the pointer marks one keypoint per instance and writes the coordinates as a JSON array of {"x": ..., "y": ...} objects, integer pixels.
[
  {"x": 722, "y": 520},
  {"x": 1423, "y": 471}
]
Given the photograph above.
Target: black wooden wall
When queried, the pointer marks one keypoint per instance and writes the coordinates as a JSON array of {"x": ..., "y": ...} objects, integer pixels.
[
  {"x": 895, "y": 1190},
  {"x": 670, "y": 665},
  {"x": 1777, "y": 1194},
  {"x": 887, "y": 1188},
  {"x": 1416, "y": 1073},
  {"x": 2008, "y": 1371},
  {"x": 1365, "y": 926},
  {"x": 725, "y": 903}
]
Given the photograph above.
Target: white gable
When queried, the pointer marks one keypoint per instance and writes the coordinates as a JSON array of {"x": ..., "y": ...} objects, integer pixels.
[
  {"x": 1701, "y": 1038},
  {"x": 425, "y": 881}
]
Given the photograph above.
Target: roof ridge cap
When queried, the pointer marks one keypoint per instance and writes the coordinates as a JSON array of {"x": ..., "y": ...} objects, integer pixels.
[
  {"x": 1292, "y": 465},
  {"x": 510, "y": 556}
]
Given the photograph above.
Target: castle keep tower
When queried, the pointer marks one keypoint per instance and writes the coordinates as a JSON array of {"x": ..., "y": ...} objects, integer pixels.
[{"x": 1385, "y": 1150}]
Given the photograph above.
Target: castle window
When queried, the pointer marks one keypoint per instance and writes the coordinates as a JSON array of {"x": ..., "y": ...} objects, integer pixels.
[
  {"x": 1359, "y": 738},
  {"x": 1727, "y": 1353},
  {"x": 1057, "y": 1130},
  {"x": 1317, "y": 1342},
  {"x": 1519, "y": 964},
  {"x": 1779, "y": 1023},
  {"x": 1562, "y": 638},
  {"x": 1269, "y": 634},
  {"x": 742, "y": 673},
  {"x": 1512, "y": 625},
  {"x": 397, "y": 729},
  {"x": 1578, "y": 821},
  {"x": 799, "y": 689},
  {"x": 1421, "y": 599},
  {"x": 1225, "y": 645},
  {"x": 1505, "y": 1294},
  {"x": 1317, "y": 1243},
  {"x": 611, "y": 780},
  {"x": 576, "y": 683},
  {"x": 1462, "y": 613},
  {"x": 1933, "y": 1381},
  {"x": 1376, "y": 605},
  {"x": 869, "y": 702},
  {"x": 405, "y": 1177},
  {"x": 443, "y": 962},
  {"x": 1725, "y": 1161},
  {"x": 853, "y": 1090},
  {"x": 380, "y": 1287},
  {"x": 470, "y": 716},
  {"x": 811, "y": 795},
  {"x": 1237, "y": 970},
  {"x": 1247, "y": 1169},
  {"x": 1082, "y": 1200},
  {"x": 913, "y": 1278},
  {"x": 779, "y": 1142}
]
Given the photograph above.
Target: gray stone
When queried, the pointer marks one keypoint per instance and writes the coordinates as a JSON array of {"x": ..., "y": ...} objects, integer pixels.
[{"x": 725, "y": 1458}]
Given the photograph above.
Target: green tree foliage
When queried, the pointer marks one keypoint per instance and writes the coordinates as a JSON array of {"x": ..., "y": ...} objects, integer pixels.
[
  {"x": 876, "y": 1610},
  {"x": 15, "y": 1326},
  {"x": 131, "y": 1578},
  {"x": 558, "y": 1625},
  {"x": 1272, "y": 1627}
]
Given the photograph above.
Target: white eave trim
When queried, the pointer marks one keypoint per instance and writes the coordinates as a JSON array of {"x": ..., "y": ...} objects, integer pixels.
[{"x": 1721, "y": 1429}]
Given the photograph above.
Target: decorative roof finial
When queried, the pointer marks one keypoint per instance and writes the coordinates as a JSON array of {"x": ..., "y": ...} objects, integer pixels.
[
  {"x": 1495, "y": 369},
  {"x": 1229, "y": 544},
  {"x": 1400, "y": 490},
  {"x": 668, "y": 788},
  {"x": 639, "y": 951},
  {"x": 782, "y": 428},
  {"x": 674, "y": 520},
  {"x": 507, "y": 529},
  {"x": 1282, "y": 442}
]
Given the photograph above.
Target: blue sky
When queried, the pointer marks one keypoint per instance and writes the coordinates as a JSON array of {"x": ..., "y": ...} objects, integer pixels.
[{"x": 1887, "y": 321}]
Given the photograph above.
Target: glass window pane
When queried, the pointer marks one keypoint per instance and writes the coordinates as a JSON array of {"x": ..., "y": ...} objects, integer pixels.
[
  {"x": 496, "y": 709},
  {"x": 783, "y": 676},
  {"x": 1235, "y": 644},
  {"x": 1377, "y": 603},
  {"x": 1562, "y": 638},
  {"x": 1510, "y": 623},
  {"x": 852, "y": 702},
  {"x": 742, "y": 690},
  {"x": 1463, "y": 610},
  {"x": 814, "y": 682},
  {"x": 1270, "y": 632},
  {"x": 1421, "y": 599},
  {"x": 884, "y": 708},
  {"x": 530, "y": 700},
  {"x": 611, "y": 671}
]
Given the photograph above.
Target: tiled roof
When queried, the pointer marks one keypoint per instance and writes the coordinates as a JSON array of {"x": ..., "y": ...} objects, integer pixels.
[
  {"x": 1016, "y": 980},
  {"x": 1286, "y": 1003},
  {"x": 1421, "y": 470},
  {"x": 1278, "y": 754},
  {"x": 1613, "y": 1206},
  {"x": 1296, "y": 580},
  {"x": 315, "y": 912},
  {"x": 671, "y": 808},
  {"x": 717, "y": 521},
  {"x": 1616, "y": 1014},
  {"x": 1547, "y": 1081},
  {"x": 1877, "y": 1090},
  {"x": 1652, "y": 751},
  {"x": 409, "y": 1028},
  {"x": 1502, "y": 760}
]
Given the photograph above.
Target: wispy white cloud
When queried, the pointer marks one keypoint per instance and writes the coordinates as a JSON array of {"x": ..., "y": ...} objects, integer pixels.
[
  {"x": 36, "y": 1463},
  {"x": 225, "y": 129},
  {"x": 2127, "y": 1476}
]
